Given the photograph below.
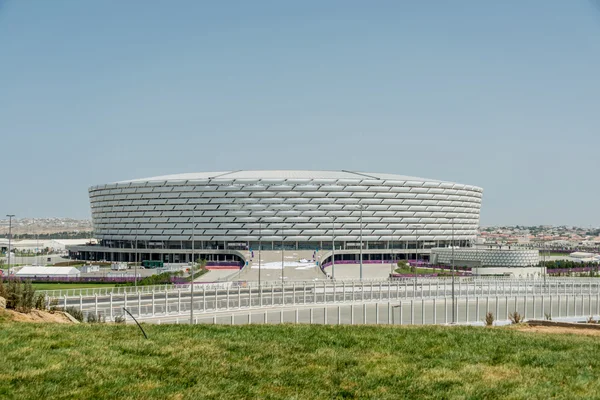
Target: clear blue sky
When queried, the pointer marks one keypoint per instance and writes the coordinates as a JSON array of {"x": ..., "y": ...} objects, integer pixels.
[{"x": 504, "y": 95}]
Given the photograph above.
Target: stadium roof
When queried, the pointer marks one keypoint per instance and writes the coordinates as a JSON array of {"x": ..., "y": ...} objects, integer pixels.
[{"x": 282, "y": 174}]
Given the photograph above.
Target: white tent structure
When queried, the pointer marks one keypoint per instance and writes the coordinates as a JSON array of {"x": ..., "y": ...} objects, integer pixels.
[{"x": 50, "y": 272}]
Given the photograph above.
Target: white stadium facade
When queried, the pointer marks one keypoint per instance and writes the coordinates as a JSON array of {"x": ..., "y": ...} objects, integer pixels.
[{"x": 226, "y": 214}]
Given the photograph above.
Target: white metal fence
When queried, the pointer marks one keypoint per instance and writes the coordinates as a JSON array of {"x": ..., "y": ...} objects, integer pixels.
[
  {"x": 411, "y": 312},
  {"x": 487, "y": 282},
  {"x": 225, "y": 298}
]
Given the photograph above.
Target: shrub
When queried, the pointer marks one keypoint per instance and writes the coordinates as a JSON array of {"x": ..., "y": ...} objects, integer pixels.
[
  {"x": 489, "y": 319},
  {"x": 120, "y": 319},
  {"x": 40, "y": 302},
  {"x": 3, "y": 292},
  {"x": 27, "y": 298},
  {"x": 515, "y": 317},
  {"x": 53, "y": 306},
  {"x": 95, "y": 318},
  {"x": 591, "y": 320},
  {"x": 75, "y": 313},
  {"x": 548, "y": 317}
]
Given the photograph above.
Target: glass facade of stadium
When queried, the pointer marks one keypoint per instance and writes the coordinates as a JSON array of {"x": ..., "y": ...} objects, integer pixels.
[{"x": 226, "y": 214}]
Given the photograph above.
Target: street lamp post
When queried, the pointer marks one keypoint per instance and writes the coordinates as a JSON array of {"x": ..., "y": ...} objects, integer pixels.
[
  {"x": 453, "y": 300},
  {"x": 332, "y": 248},
  {"x": 416, "y": 257},
  {"x": 136, "y": 254},
  {"x": 282, "y": 249},
  {"x": 10, "y": 217},
  {"x": 192, "y": 267},
  {"x": 259, "y": 248},
  {"x": 361, "y": 241}
]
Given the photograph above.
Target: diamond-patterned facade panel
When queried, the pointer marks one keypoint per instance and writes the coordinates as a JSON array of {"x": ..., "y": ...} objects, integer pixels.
[
  {"x": 487, "y": 257},
  {"x": 287, "y": 204}
]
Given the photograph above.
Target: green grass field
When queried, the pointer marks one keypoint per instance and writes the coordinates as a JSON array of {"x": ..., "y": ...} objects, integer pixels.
[
  {"x": 553, "y": 254},
  {"x": 293, "y": 362},
  {"x": 56, "y": 286},
  {"x": 420, "y": 271}
]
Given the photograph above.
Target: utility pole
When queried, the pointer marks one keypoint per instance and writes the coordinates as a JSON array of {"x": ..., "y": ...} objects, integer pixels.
[
  {"x": 259, "y": 247},
  {"x": 416, "y": 258},
  {"x": 453, "y": 306},
  {"x": 332, "y": 248},
  {"x": 192, "y": 268},
  {"x": 136, "y": 255},
  {"x": 10, "y": 217},
  {"x": 361, "y": 241}
]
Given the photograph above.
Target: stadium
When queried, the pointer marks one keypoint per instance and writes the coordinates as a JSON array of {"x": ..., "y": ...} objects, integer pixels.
[{"x": 224, "y": 216}]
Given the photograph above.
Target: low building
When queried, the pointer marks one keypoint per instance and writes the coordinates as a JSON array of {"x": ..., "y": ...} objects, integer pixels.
[
  {"x": 31, "y": 271},
  {"x": 511, "y": 262}
]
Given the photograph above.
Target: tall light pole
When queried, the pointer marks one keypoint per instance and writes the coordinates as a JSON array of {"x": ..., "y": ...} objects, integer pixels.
[
  {"x": 136, "y": 254},
  {"x": 453, "y": 306},
  {"x": 259, "y": 247},
  {"x": 192, "y": 268},
  {"x": 282, "y": 246},
  {"x": 416, "y": 257},
  {"x": 332, "y": 248},
  {"x": 361, "y": 241},
  {"x": 10, "y": 217}
]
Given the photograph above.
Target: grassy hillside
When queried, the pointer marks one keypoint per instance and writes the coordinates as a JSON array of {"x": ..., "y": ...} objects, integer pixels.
[{"x": 298, "y": 362}]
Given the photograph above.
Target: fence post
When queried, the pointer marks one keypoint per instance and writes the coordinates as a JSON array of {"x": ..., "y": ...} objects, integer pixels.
[
  {"x": 266, "y": 316},
  {"x": 80, "y": 302},
  {"x": 412, "y": 311},
  {"x": 303, "y": 294},
  {"x": 139, "y": 304},
  {"x": 96, "y": 305},
  {"x": 476, "y": 308},
  {"x": 559, "y": 305},
  {"x": 445, "y": 307},
  {"x": 178, "y": 301},
  {"x": 281, "y": 316},
  {"x": 364, "y": 313},
  {"x": 294, "y": 293},
  {"x": 351, "y": 314},
  {"x": 232, "y": 319},
  {"x": 422, "y": 309},
  {"x": 111, "y": 307},
  {"x": 377, "y": 313},
  {"x": 166, "y": 302},
  {"x": 227, "y": 298},
  {"x": 311, "y": 315},
  {"x": 567, "y": 307},
  {"x": 435, "y": 308},
  {"x": 498, "y": 307}
]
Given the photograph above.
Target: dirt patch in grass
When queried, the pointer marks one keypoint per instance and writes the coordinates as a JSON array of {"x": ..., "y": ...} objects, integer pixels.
[
  {"x": 36, "y": 316},
  {"x": 557, "y": 329}
]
